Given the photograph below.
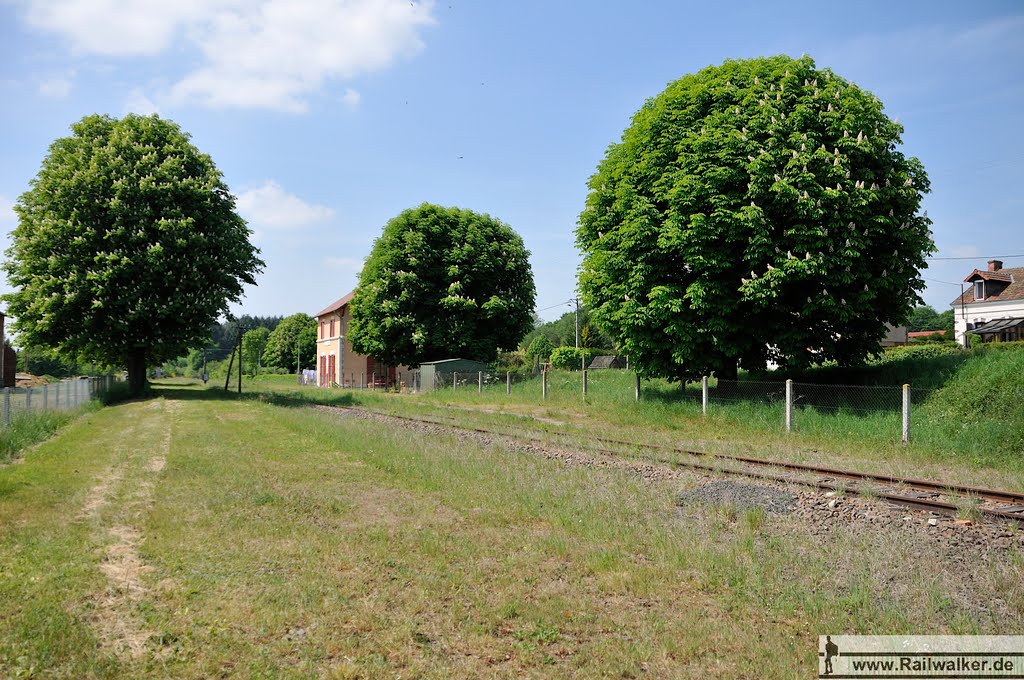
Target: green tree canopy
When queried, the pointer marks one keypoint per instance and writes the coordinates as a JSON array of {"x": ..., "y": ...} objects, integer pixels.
[
  {"x": 128, "y": 246},
  {"x": 758, "y": 210},
  {"x": 925, "y": 318},
  {"x": 297, "y": 333},
  {"x": 254, "y": 342},
  {"x": 443, "y": 283}
]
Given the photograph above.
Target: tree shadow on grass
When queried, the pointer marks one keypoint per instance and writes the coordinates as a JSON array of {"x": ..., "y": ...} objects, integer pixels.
[{"x": 194, "y": 392}]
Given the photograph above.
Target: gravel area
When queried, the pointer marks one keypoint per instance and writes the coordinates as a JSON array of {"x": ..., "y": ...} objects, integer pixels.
[{"x": 741, "y": 496}]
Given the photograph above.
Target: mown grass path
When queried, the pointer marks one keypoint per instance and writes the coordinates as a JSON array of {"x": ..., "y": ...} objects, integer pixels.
[{"x": 197, "y": 535}]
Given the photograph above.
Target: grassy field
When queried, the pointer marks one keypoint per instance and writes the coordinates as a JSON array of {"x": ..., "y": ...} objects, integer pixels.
[
  {"x": 197, "y": 535},
  {"x": 967, "y": 425}
]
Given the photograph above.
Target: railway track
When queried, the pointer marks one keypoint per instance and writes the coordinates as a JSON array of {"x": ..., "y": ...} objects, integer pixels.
[{"x": 920, "y": 494}]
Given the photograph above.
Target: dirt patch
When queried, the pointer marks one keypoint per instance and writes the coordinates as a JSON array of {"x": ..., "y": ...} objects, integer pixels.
[
  {"x": 97, "y": 497},
  {"x": 121, "y": 631},
  {"x": 118, "y": 626}
]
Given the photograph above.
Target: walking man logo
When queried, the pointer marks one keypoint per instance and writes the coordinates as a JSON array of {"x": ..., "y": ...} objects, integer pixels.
[{"x": 831, "y": 649}]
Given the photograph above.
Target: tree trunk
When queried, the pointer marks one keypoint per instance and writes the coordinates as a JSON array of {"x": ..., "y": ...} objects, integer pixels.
[
  {"x": 137, "y": 371},
  {"x": 728, "y": 371}
]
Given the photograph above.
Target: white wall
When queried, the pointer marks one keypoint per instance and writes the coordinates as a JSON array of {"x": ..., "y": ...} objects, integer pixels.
[{"x": 977, "y": 312}]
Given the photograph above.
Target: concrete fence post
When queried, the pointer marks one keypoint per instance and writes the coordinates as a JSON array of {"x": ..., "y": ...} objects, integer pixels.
[
  {"x": 46, "y": 397},
  {"x": 479, "y": 382},
  {"x": 544, "y": 384},
  {"x": 584, "y": 383},
  {"x": 789, "y": 405},
  {"x": 7, "y": 406},
  {"x": 704, "y": 395},
  {"x": 455, "y": 380},
  {"x": 28, "y": 399},
  {"x": 636, "y": 387},
  {"x": 508, "y": 382},
  {"x": 906, "y": 413},
  {"x": 56, "y": 398}
]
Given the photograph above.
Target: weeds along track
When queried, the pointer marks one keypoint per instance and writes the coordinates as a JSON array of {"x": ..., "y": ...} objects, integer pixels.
[{"x": 971, "y": 502}]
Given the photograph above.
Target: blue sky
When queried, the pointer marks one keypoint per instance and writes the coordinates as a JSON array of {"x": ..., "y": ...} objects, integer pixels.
[{"x": 329, "y": 117}]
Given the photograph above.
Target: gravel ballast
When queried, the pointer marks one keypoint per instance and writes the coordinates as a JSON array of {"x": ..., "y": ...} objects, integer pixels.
[{"x": 741, "y": 496}]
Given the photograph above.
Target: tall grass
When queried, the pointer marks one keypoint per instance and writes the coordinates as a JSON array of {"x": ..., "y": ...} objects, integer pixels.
[{"x": 30, "y": 428}]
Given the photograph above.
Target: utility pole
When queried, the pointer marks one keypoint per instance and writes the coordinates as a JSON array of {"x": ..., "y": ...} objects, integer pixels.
[
  {"x": 241, "y": 334},
  {"x": 577, "y": 303},
  {"x": 231, "y": 363}
]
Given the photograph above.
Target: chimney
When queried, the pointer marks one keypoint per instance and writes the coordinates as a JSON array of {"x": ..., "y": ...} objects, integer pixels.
[{"x": 995, "y": 265}]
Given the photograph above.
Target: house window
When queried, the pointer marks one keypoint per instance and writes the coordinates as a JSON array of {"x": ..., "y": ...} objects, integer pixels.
[
  {"x": 321, "y": 330},
  {"x": 979, "y": 290},
  {"x": 332, "y": 328}
]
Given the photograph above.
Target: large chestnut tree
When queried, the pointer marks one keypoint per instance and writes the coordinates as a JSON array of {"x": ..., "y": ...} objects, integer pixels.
[
  {"x": 758, "y": 210},
  {"x": 127, "y": 247},
  {"x": 443, "y": 283}
]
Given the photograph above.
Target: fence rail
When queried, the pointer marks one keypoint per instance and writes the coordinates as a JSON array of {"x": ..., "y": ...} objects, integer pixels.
[{"x": 60, "y": 396}]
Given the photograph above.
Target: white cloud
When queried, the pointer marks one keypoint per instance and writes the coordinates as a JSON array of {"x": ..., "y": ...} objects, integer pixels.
[
  {"x": 119, "y": 27},
  {"x": 270, "y": 54},
  {"x": 57, "y": 88},
  {"x": 138, "y": 102},
  {"x": 351, "y": 99},
  {"x": 345, "y": 263},
  {"x": 271, "y": 206}
]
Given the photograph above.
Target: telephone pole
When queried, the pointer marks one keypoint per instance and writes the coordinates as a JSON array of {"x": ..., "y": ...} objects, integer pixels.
[{"x": 576, "y": 301}]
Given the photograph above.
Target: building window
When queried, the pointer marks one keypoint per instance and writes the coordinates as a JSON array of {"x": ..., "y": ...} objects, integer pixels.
[
  {"x": 332, "y": 328},
  {"x": 321, "y": 330},
  {"x": 979, "y": 290}
]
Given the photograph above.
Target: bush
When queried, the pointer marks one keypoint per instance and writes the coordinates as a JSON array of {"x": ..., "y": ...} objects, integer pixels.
[
  {"x": 569, "y": 358},
  {"x": 513, "y": 362},
  {"x": 906, "y": 352},
  {"x": 540, "y": 348}
]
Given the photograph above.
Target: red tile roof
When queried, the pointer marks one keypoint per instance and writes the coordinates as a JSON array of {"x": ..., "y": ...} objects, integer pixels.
[
  {"x": 1000, "y": 275},
  {"x": 336, "y": 305},
  {"x": 1014, "y": 291}
]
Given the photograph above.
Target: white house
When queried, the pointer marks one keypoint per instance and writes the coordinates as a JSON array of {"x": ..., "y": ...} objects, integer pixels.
[{"x": 992, "y": 307}]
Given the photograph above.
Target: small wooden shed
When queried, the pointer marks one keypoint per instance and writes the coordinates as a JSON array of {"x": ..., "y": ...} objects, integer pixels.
[
  {"x": 435, "y": 374},
  {"x": 607, "y": 361}
]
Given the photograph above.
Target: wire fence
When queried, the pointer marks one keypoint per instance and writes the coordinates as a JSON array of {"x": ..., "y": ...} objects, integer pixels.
[
  {"x": 60, "y": 396},
  {"x": 784, "y": 402},
  {"x": 821, "y": 397}
]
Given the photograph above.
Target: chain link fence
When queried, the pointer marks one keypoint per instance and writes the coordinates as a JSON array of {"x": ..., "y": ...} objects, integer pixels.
[
  {"x": 60, "y": 396},
  {"x": 821, "y": 397},
  {"x": 782, "y": 402}
]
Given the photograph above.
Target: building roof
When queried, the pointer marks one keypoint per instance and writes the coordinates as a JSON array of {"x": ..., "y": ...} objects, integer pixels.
[
  {"x": 924, "y": 334},
  {"x": 336, "y": 305},
  {"x": 1014, "y": 291},
  {"x": 1000, "y": 275},
  {"x": 996, "y": 326}
]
